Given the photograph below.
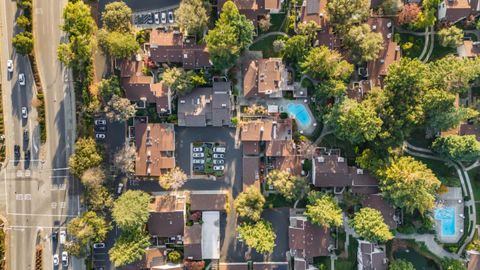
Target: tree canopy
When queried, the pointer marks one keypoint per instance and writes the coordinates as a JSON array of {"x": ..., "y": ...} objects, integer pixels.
[
  {"x": 392, "y": 7},
  {"x": 368, "y": 223},
  {"x": 119, "y": 109},
  {"x": 89, "y": 228},
  {"x": 23, "y": 42},
  {"x": 400, "y": 264},
  {"x": 174, "y": 179},
  {"x": 345, "y": 13},
  {"x": 130, "y": 210},
  {"x": 451, "y": 37},
  {"x": 117, "y": 17},
  {"x": 323, "y": 210},
  {"x": 364, "y": 45},
  {"x": 85, "y": 156},
  {"x": 259, "y": 236},
  {"x": 323, "y": 63},
  {"x": 250, "y": 203},
  {"x": 459, "y": 148},
  {"x": 296, "y": 48},
  {"x": 410, "y": 184},
  {"x": 182, "y": 82},
  {"x": 117, "y": 44},
  {"x": 191, "y": 16},
  {"x": 94, "y": 176},
  {"x": 129, "y": 247},
  {"x": 290, "y": 186}
]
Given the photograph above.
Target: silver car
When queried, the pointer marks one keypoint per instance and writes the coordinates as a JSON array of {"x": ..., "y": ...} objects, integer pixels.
[
  {"x": 21, "y": 78},
  {"x": 198, "y": 155}
]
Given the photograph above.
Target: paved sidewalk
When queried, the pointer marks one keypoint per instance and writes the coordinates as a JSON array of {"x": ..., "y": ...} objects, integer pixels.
[{"x": 429, "y": 241}]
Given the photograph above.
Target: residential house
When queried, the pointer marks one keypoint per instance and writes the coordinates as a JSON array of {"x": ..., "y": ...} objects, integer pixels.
[
  {"x": 142, "y": 89},
  {"x": 453, "y": 11},
  {"x": 155, "y": 144},
  {"x": 307, "y": 240},
  {"x": 265, "y": 78},
  {"x": 470, "y": 129},
  {"x": 192, "y": 242},
  {"x": 254, "y": 10},
  {"x": 208, "y": 200},
  {"x": 206, "y": 106},
  {"x": 469, "y": 49},
  {"x": 251, "y": 171},
  {"x": 167, "y": 219},
  {"x": 473, "y": 260},
  {"x": 171, "y": 47},
  {"x": 376, "y": 201},
  {"x": 154, "y": 258},
  {"x": 371, "y": 256}
]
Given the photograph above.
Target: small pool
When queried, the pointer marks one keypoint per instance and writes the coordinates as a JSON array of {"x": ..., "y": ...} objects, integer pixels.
[
  {"x": 446, "y": 216},
  {"x": 300, "y": 113}
]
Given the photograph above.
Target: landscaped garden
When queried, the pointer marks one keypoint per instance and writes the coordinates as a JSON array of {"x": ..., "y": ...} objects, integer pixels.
[
  {"x": 208, "y": 158},
  {"x": 265, "y": 45}
]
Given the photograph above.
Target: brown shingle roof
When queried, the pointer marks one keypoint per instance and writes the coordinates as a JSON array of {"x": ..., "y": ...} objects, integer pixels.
[
  {"x": 257, "y": 131},
  {"x": 467, "y": 129},
  {"x": 251, "y": 171},
  {"x": 155, "y": 144},
  {"x": 291, "y": 164},
  {"x": 262, "y": 76},
  {"x": 459, "y": 9},
  {"x": 166, "y": 203},
  {"x": 331, "y": 171},
  {"x": 208, "y": 202},
  {"x": 309, "y": 240},
  {"x": 281, "y": 148},
  {"x": 376, "y": 201},
  {"x": 166, "y": 224},
  {"x": 251, "y": 148},
  {"x": 192, "y": 242}
]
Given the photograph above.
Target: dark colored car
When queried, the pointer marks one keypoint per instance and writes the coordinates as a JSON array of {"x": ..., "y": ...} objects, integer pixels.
[
  {"x": 16, "y": 149},
  {"x": 25, "y": 136},
  {"x": 27, "y": 155},
  {"x": 101, "y": 128}
]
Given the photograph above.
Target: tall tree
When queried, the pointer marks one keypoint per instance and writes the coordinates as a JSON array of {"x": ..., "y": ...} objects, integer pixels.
[
  {"x": 330, "y": 88},
  {"x": 94, "y": 176},
  {"x": 109, "y": 87},
  {"x": 309, "y": 29},
  {"x": 119, "y": 109},
  {"x": 117, "y": 17},
  {"x": 368, "y": 223},
  {"x": 323, "y": 63},
  {"x": 259, "y": 236},
  {"x": 392, "y": 7},
  {"x": 355, "y": 122},
  {"x": 182, "y": 82},
  {"x": 410, "y": 184},
  {"x": 296, "y": 48},
  {"x": 400, "y": 264},
  {"x": 77, "y": 19},
  {"x": 323, "y": 210},
  {"x": 250, "y": 203},
  {"x": 23, "y": 42},
  {"x": 290, "y": 186},
  {"x": 243, "y": 27},
  {"x": 453, "y": 73},
  {"x": 130, "y": 210},
  {"x": 409, "y": 14},
  {"x": 89, "y": 228},
  {"x": 117, "y": 44},
  {"x": 191, "y": 17},
  {"x": 451, "y": 37},
  {"x": 124, "y": 158},
  {"x": 98, "y": 199},
  {"x": 344, "y": 13},
  {"x": 364, "y": 44},
  {"x": 85, "y": 156},
  {"x": 453, "y": 264},
  {"x": 459, "y": 148},
  {"x": 174, "y": 179},
  {"x": 129, "y": 247}
]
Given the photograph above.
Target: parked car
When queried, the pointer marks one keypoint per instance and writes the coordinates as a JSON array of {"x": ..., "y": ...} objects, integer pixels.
[
  {"x": 16, "y": 150},
  {"x": 198, "y": 161},
  {"x": 27, "y": 155},
  {"x": 25, "y": 136},
  {"x": 119, "y": 188},
  {"x": 198, "y": 167},
  {"x": 197, "y": 149},
  {"x": 218, "y": 168},
  {"x": 100, "y": 122},
  {"x": 170, "y": 17},
  {"x": 157, "y": 18},
  {"x": 101, "y": 128},
  {"x": 65, "y": 258},
  {"x": 99, "y": 245},
  {"x": 164, "y": 17},
  {"x": 198, "y": 155},
  {"x": 55, "y": 260},
  {"x": 218, "y": 155},
  {"x": 100, "y": 136},
  {"x": 218, "y": 161},
  {"x": 24, "y": 112},
  {"x": 63, "y": 237},
  {"x": 150, "y": 18},
  {"x": 219, "y": 149},
  {"x": 9, "y": 65},
  {"x": 21, "y": 78}
]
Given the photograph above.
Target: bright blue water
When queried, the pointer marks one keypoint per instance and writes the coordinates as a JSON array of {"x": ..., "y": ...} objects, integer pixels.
[
  {"x": 446, "y": 215},
  {"x": 299, "y": 111}
]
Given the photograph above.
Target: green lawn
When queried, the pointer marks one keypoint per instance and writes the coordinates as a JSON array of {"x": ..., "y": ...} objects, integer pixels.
[
  {"x": 475, "y": 181},
  {"x": 439, "y": 51},
  {"x": 349, "y": 263},
  {"x": 417, "y": 48},
  {"x": 446, "y": 174},
  {"x": 417, "y": 138},
  {"x": 276, "y": 200},
  {"x": 277, "y": 21},
  {"x": 325, "y": 261},
  {"x": 265, "y": 45}
]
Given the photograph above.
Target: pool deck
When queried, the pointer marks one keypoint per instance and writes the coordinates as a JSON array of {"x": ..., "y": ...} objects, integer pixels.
[
  {"x": 282, "y": 105},
  {"x": 451, "y": 199}
]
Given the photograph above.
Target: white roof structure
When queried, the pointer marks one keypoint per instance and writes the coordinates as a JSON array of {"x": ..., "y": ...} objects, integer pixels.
[{"x": 211, "y": 235}]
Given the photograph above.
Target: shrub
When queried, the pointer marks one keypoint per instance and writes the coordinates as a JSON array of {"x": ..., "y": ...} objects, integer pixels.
[{"x": 174, "y": 256}]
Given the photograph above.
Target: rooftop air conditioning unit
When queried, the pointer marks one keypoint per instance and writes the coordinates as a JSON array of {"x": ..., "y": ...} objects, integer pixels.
[
  {"x": 321, "y": 159},
  {"x": 340, "y": 159},
  {"x": 359, "y": 171},
  {"x": 149, "y": 153},
  {"x": 185, "y": 55},
  {"x": 374, "y": 27}
]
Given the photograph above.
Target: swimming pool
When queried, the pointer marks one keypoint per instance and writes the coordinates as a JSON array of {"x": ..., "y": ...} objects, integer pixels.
[
  {"x": 446, "y": 216},
  {"x": 300, "y": 113}
]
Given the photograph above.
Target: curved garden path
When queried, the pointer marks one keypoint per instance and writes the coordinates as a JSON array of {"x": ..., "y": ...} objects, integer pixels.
[{"x": 276, "y": 33}]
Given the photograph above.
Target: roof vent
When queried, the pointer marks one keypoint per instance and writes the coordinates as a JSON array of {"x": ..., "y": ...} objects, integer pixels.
[
  {"x": 389, "y": 35},
  {"x": 389, "y": 24},
  {"x": 148, "y": 171},
  {"x": 198, "y": 101},
  {"x": 185, "y": 55},
  {"x": 382, "y": 61},
  {"x": 321, "y": 14},
  {"x": 149, "y": 153},
  {"x": 359, "y": 171},
  {"x": 340, "y": 159},
  {"x": 320, "y": 159},
  {"x": 182, "y": 101},
  {"x": 374, "y": 27},
  {"x": 148, "y": 128},
  {"x": 224, "y": 105}
]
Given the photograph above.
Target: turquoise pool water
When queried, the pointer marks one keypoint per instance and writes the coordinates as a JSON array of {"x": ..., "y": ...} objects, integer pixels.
[
  {"x": 446, "y": 216},
  {"x": 300, "y": 113}
]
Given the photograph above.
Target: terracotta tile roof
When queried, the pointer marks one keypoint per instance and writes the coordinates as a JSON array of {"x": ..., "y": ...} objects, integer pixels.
[
  {"x": 376, "y": 201},
  {"x": 257, "y": 131},
  {"x": 251, "y": 148},
  {"x": 192, "y": 242},
  {"x": 208, "y": 201},
  {"x": 252, "y": 9},
  {"x": 459, "y": 9},
  {"x": 166, "y": 203},
  {"x": 155, "y": 145},
  {"x": 279, "y": 148},
  {"x": 251, "y": 171},
  {"x": 273, "y": 4},
  {"x": 315, "y": 10},
  {"x": 250, "y": 75},
  {"x": 467, "y": 129},
  {"x": 291, "y": 164},
  {"x": 309, "y": 240},
  {"x": 263, "y": 76}
]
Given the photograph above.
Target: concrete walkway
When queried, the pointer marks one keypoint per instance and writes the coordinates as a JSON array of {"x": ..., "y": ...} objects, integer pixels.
[
  {"x": 429, "y": 240},
  {"x": 432, "y": 45}
]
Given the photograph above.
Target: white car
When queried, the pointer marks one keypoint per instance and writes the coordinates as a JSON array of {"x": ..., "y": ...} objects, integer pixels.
[
  {"x": 170, "y": 17},
  {"x": 63, "y": 237},
  {"x": 100, "y": 122},
  {"x": 157, "y": 18},
  {"x": 197, "y": 149},
  {"x": 100, "y": 136},
  {"x": 218, "y": 155},
  {"x": 65, "y": 258},
  {"x": 219, "y": 149},
  {"x": 24, "y": 112},
  {"x": 218, "y": 161},
  {"x": 98, "y": 245},
  {"x": 218, "y": 168},
  {"x": 10, "y": 65},
  {"x": 164, "y": 17},
  {"x": 198, "y": 161},
  {"x": 55, "y": 260},
  {"x": 119, "y": 188},
  {"x": 198, "y": 155},
  {"x": 21, "y": 78}
]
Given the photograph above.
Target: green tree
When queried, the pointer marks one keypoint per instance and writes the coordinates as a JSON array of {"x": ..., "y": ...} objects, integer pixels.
[
  {"x": 222, "y": 46},
  {"x": 98, "y": 199},
  {"x": 296, "y": 48},
  {"x": 364, "y": 44},
  {"x": 323, "y": 210},
  {"x": 410, "y": 184},
  {"x": 23, "y": 22},
  {"x": 174, "y": 256},
  {"x": 259, "y": 236},
  {"x": 453, "y": 73},
  {"x": 85, "y": 156},
  {"x": 117, "y": 17},
  {"x": 322, "y": 63},
  {"x": 250, "y": 203},
  {"x": 129, "y": 247},
  {"x": 345, "y": 13},
  {"x": 392, "y": 7},
  {"x": 368, "y": 223},
  {"x": 290, "y": 186},
  {"x": 130, "y": 210},
  {"x": 191, "y": 17},
  {"x": 78, "y": 20},
  {"x": 330, "y": 88},
  {"x": 89, "y": 228},
  {"x": 451, "y": 37},
  {"x": 459, "y": 148},
  {"x": 65, "y": 54},
  {"x": 309, "y": 29},
  {"x": 117, "y": 44},
  {"x": 355, "y": 122},
  {"x": 119, "y": 109},
  {"x": 23, "y": 42},
  {"x": 243, "y": 27},
  {"x": 174, "y": 179},
  {"x": 109, "y": 87},
  {"x": 400, "y": 264},
  {"x": 182, "y": 82},
  {"x": 452, "y": 264},
  {"x": 94, "y": 176}
]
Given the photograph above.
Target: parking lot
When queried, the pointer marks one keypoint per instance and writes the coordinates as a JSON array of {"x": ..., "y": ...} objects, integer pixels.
[
  {"x": 154, "y": 18},
  {"x": 208, "y": 159}
]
